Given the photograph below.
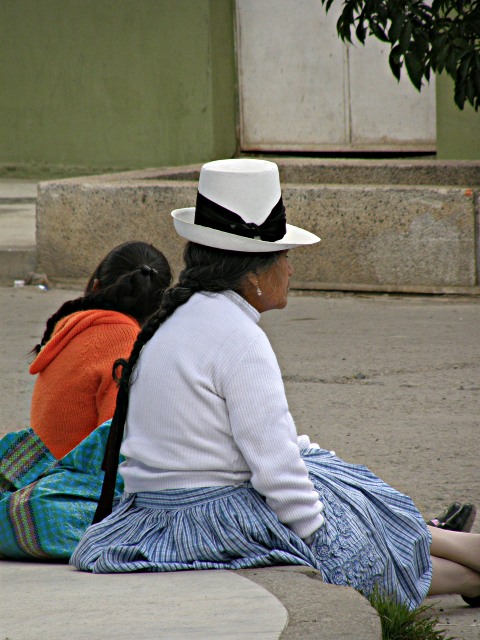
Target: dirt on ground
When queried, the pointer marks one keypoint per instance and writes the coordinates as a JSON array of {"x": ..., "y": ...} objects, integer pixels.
[{"x": 392, "y": 382}]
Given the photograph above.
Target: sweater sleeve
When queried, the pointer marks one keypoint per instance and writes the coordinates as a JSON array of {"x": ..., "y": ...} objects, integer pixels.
[{"x": 265, "y": 433}]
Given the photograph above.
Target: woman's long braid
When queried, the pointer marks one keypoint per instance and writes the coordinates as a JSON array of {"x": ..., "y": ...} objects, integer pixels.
[{"x": 206, "y": 270}]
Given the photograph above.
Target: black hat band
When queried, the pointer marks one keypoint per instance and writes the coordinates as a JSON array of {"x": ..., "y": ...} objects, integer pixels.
[{"x": 213, "y": 215}]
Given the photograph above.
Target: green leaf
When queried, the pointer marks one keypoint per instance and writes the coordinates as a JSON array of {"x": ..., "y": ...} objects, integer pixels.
[
  {"x": 395, "y": 68},
  {"x": 343, "y": 29},
  {"x": 405, "y": 36},
  {"x": 438, "y": 45},
  {"x": 459, "y": 95},
  {"x": 396, "y": 27},
  {"x": 414, "y": 69},
  {"x": 463, "y": 69},
  {"x": 451, "y": 62},
  {"x": 396, "y": 53},
  {"x": 439, "y": 55},
  {"x": 361, "y": 32},
  {"x": 394, "y": 60},
  {"x": 346, "y": 21},
  {"x": 460, "y": 43},
  {"x": 425, "y": 36},
  {"x": 378, "y": 32},
  {"x": 476, "y": 80},
  {"x": 470, "y": 90},
  {"x": 419, "y": 46}
]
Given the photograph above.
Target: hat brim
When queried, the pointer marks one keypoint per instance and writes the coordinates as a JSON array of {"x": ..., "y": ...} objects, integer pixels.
[{"x": 183, "y": 220}]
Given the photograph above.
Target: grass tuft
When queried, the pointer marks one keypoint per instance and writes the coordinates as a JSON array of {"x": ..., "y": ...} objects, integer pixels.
[{"x": 400, "y": 623}]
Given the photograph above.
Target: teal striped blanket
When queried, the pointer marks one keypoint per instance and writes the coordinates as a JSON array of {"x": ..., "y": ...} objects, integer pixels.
[{"x": 46, "y": 504}]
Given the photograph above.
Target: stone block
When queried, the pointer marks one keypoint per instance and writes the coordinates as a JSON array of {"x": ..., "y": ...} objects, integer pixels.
[
  {"x": 78, "y": 222},
  {"x": 388, "y": 237},
  {"x": 376, "y": 236}
]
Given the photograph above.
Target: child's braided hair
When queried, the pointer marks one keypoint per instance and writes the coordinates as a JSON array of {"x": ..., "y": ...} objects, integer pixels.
[{"x": 130, "y": 279}]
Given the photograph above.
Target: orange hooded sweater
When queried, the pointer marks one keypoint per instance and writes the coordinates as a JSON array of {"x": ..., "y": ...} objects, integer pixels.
[{"x": 75, "y": 391}]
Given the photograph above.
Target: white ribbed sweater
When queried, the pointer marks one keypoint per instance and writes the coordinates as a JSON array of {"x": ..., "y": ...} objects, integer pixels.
[{"x": 208, "y": 408}]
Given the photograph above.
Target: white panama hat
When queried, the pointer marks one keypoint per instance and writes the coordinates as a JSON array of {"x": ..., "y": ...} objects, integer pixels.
[{"x": 239, "y": 208}]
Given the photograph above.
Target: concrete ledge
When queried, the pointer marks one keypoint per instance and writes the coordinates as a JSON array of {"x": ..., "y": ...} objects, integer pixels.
[
  {"x": 58, "y": 602},
  {"x": 289, "y": 603},
  {"x": 315, "y": 609},
  {"x": 381, "y": 234},
  {"x": 302, "y": 170},
  {"x": 387, "y": 171}
]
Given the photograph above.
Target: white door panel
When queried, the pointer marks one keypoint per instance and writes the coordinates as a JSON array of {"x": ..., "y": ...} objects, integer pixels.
[
  {"x": 302, "y": 89},
  {"x": 386, "y": 112}
]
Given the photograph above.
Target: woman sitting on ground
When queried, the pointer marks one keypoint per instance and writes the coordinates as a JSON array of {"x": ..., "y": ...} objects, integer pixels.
[
  {"x": 50, "y": 477},
  {"x": 215, "y": 474}
]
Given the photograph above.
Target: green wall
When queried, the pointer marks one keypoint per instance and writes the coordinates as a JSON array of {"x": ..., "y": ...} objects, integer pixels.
[
  {"x": 458, "y": 131},
  {"x": 100, "y": 85},
  {"x": 116, "y": 83}
]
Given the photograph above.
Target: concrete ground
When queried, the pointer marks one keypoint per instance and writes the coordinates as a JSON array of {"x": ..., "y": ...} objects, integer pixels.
[{"x": 388, "y": 381}]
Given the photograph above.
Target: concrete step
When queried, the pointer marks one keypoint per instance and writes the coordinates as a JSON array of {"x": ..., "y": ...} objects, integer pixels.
[
  {"x": 265, "y": 604},
  {"x": 17, "y": 229},
  {"x": 408, "y": 226}
]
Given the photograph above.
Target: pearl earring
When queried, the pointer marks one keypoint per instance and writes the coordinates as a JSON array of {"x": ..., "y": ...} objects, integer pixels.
[{"x": 259, "y": 291}]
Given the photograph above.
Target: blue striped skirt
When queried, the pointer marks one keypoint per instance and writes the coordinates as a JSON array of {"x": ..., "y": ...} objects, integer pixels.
[{"x": 372, "y": 535}]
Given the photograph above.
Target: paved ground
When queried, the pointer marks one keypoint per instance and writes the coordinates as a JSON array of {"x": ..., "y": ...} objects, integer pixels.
[
  {"x": 392, "y": 382},
  {"x": 389, "y": 381}
]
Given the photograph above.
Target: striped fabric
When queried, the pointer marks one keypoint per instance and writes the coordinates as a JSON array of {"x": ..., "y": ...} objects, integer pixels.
[
  {"x": 372, "y": 534},
  {"x": 46, "y": 504},
  {"x": 23, "y": 457},
  {"x": 371, "y": 525}
]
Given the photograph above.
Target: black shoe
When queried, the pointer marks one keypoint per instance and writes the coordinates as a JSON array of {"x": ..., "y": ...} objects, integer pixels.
[
  {"x": 473, "y": 602},
  {"x": 456, "y": 517},
  {"x": 450, "y": 511}
]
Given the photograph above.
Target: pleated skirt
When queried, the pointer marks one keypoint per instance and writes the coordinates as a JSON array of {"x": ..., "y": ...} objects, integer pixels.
[{"x": 372, "y": 535}]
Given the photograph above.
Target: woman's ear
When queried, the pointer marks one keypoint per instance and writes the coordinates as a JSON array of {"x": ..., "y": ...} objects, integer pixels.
[
  {"x": 248, "y": 287},
  {"x": 95, "y": 285},
  {"x": 252, "y": 279}
]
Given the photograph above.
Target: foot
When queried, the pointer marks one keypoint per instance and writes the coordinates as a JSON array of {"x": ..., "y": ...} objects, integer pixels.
[
  {"x": 456, "y": 517},
  {"x": 473, "y": 602}
]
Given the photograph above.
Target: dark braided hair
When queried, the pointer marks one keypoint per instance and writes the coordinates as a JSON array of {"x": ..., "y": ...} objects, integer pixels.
[
  {"x": 130, "y": 279},
  {"x": 206, "y": 269}
]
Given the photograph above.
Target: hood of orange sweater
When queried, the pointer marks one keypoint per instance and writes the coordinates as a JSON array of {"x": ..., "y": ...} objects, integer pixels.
[{"x": 67, "y": 328}]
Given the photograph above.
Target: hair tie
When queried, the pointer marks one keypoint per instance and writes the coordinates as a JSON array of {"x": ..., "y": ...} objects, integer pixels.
[{"x": 147, "y": 271}]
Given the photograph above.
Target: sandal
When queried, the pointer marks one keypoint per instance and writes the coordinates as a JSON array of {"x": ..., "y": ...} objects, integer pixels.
[
  {"x": 456, "y": 517},
  {"x": 473, "y": 602}
]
